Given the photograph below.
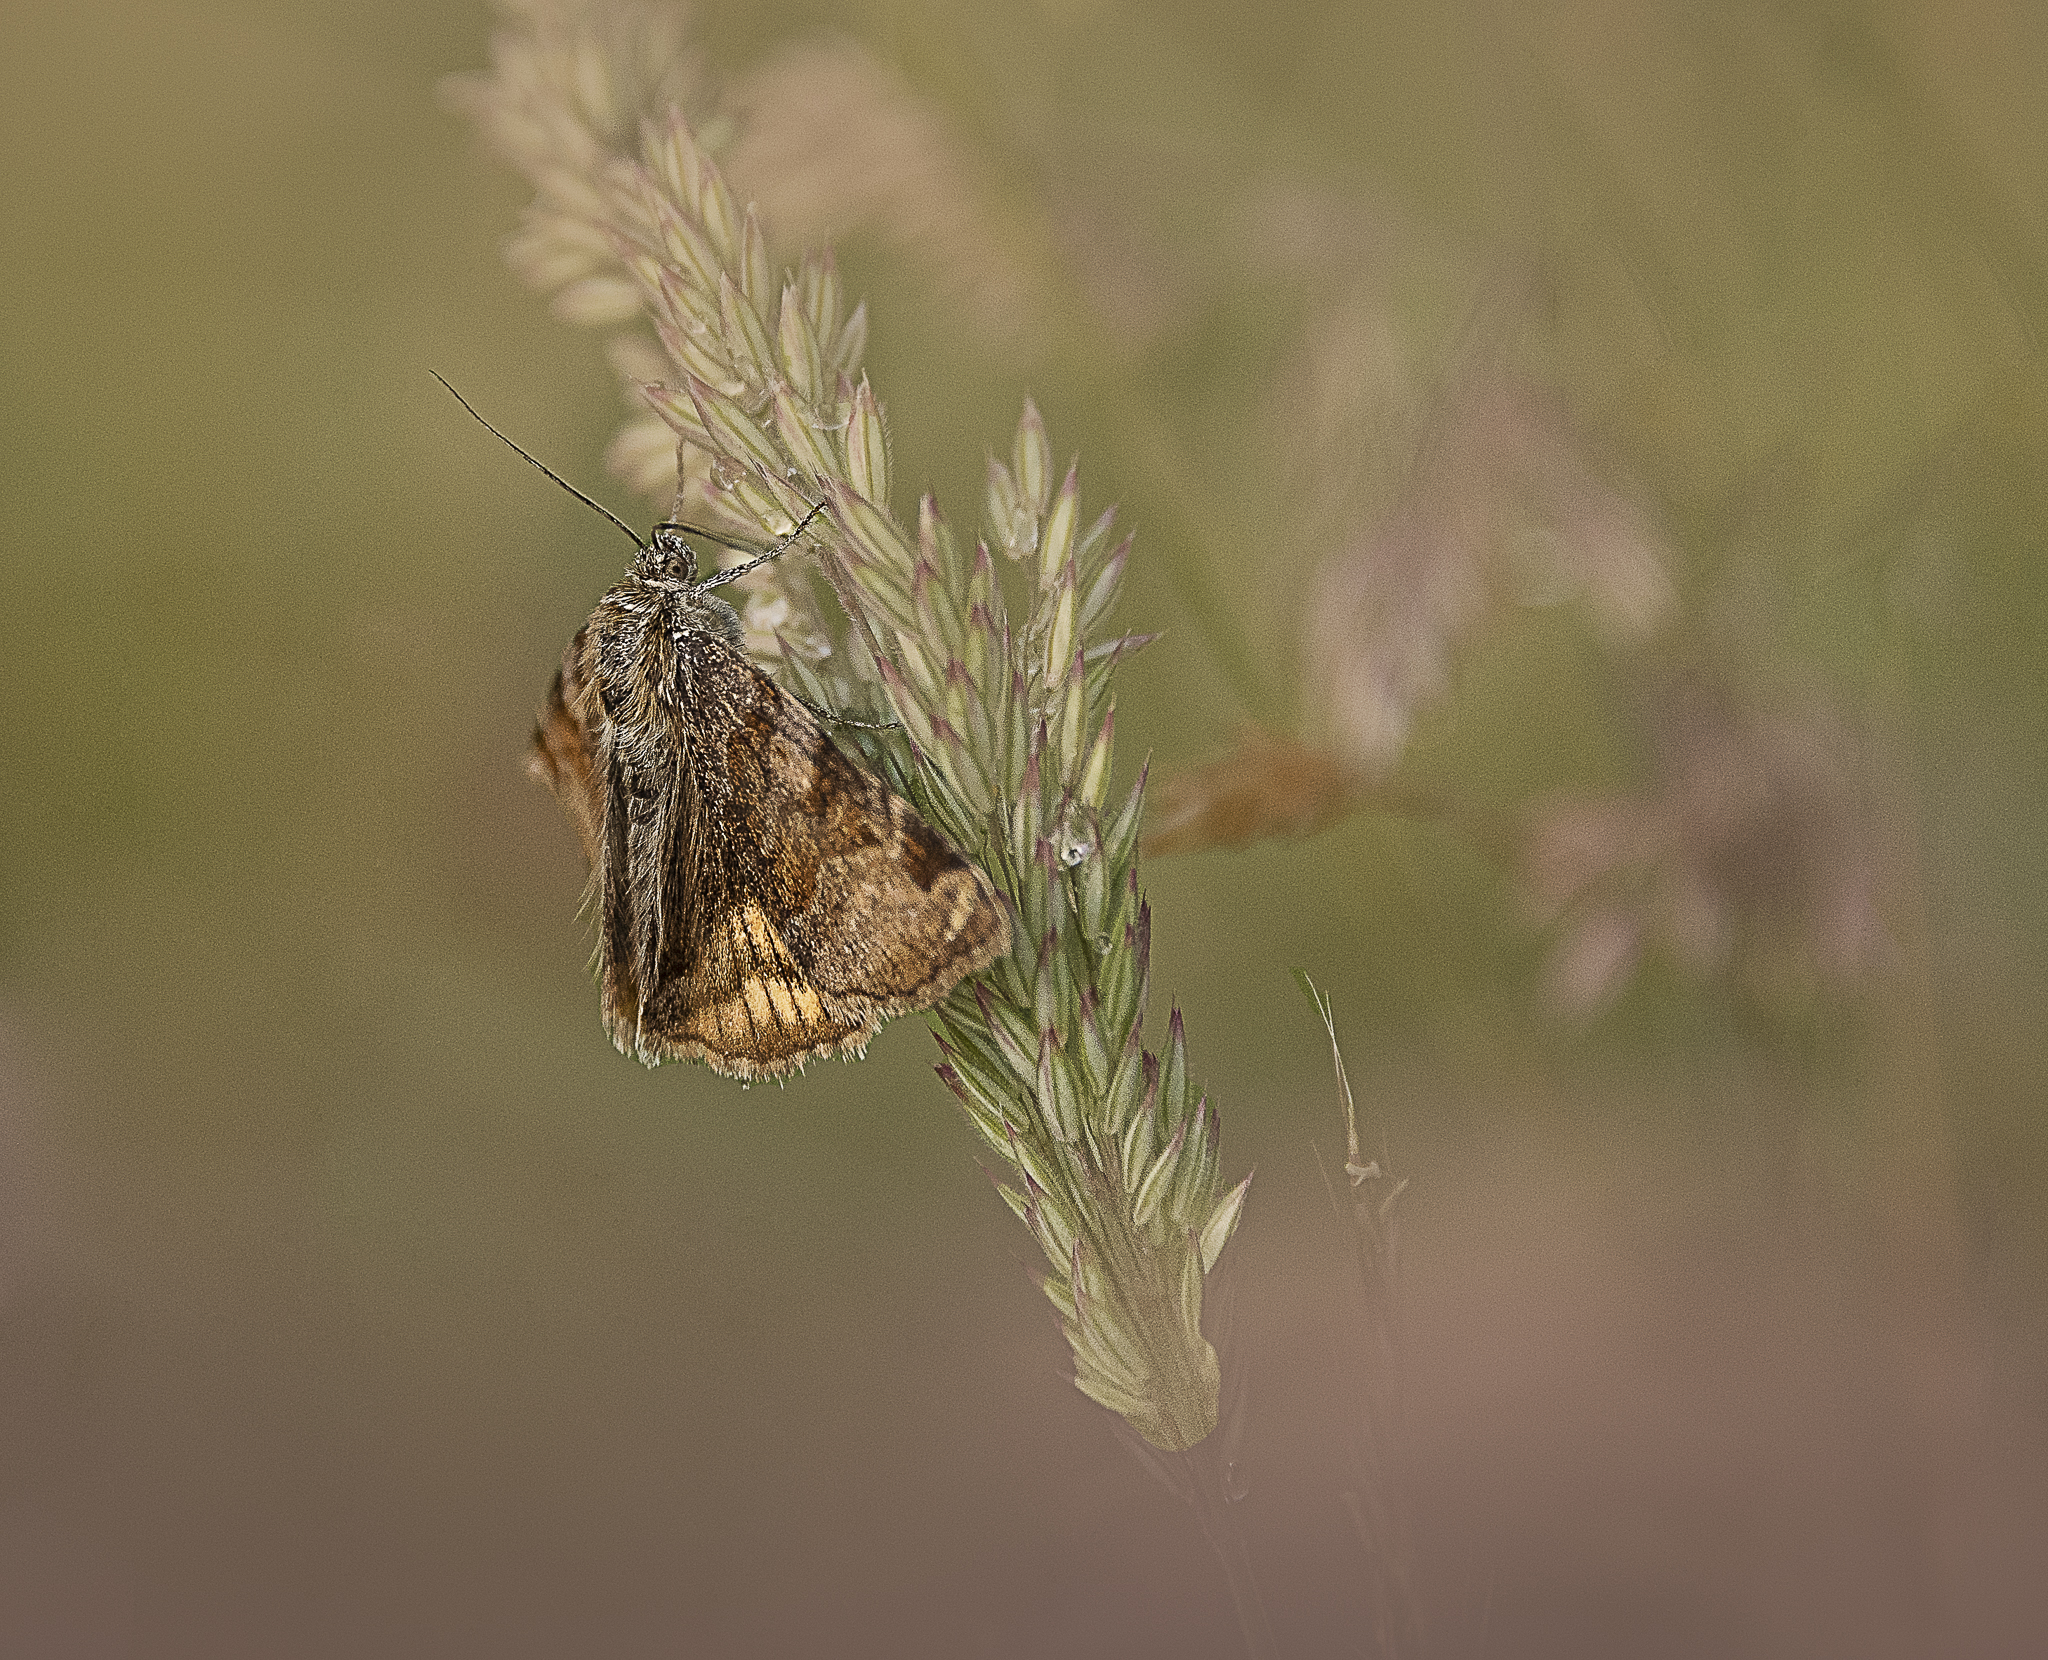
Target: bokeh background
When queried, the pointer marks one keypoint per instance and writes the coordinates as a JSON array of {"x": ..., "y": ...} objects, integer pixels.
[{"x": 1676, "y": 863}]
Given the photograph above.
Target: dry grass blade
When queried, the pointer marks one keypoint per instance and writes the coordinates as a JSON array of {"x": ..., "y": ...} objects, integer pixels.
[{"x": 1265, "y": 788}]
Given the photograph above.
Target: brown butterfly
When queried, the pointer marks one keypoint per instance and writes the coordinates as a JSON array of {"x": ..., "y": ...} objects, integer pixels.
[{"x": 761, "y": 900}]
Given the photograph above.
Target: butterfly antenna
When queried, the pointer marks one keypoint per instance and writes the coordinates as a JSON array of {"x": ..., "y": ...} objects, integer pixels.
[
  {"x": 598, "y": 506},
  {"x": 719, "y": 578}
]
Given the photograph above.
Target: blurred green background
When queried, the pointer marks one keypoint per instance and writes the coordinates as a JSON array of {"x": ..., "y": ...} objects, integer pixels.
[{"x": 356, "y": 1297}]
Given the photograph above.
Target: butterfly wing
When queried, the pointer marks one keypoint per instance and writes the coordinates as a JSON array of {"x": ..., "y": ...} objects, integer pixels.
[
  {"x": 762, "y": 900},
  {"x": 568, "y": 737},
  {"x": 872, "y": 903},
  {"x": 819, "y": 903},
  {"x": 623, "y": 786}
]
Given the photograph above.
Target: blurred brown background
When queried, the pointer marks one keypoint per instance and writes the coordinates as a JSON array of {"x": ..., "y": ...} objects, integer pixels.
[{"x": 356, "y": 1298}]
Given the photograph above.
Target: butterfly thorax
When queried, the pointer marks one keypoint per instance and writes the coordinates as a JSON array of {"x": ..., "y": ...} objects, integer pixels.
[{"x": 647, "y": 632}]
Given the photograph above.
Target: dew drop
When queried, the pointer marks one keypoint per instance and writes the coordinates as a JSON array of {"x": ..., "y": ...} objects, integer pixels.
[{"x": 726, "y": 473}]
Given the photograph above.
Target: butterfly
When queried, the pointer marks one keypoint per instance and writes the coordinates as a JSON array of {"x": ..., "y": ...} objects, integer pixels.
[{"x": 761, "y": 900}]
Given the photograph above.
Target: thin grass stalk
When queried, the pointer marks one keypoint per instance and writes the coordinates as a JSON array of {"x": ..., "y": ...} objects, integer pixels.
[{"x": 1379, "y": 1503}]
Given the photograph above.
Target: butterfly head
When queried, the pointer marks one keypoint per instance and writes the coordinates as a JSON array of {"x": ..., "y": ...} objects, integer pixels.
[{"x": 667, "y": 559}]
